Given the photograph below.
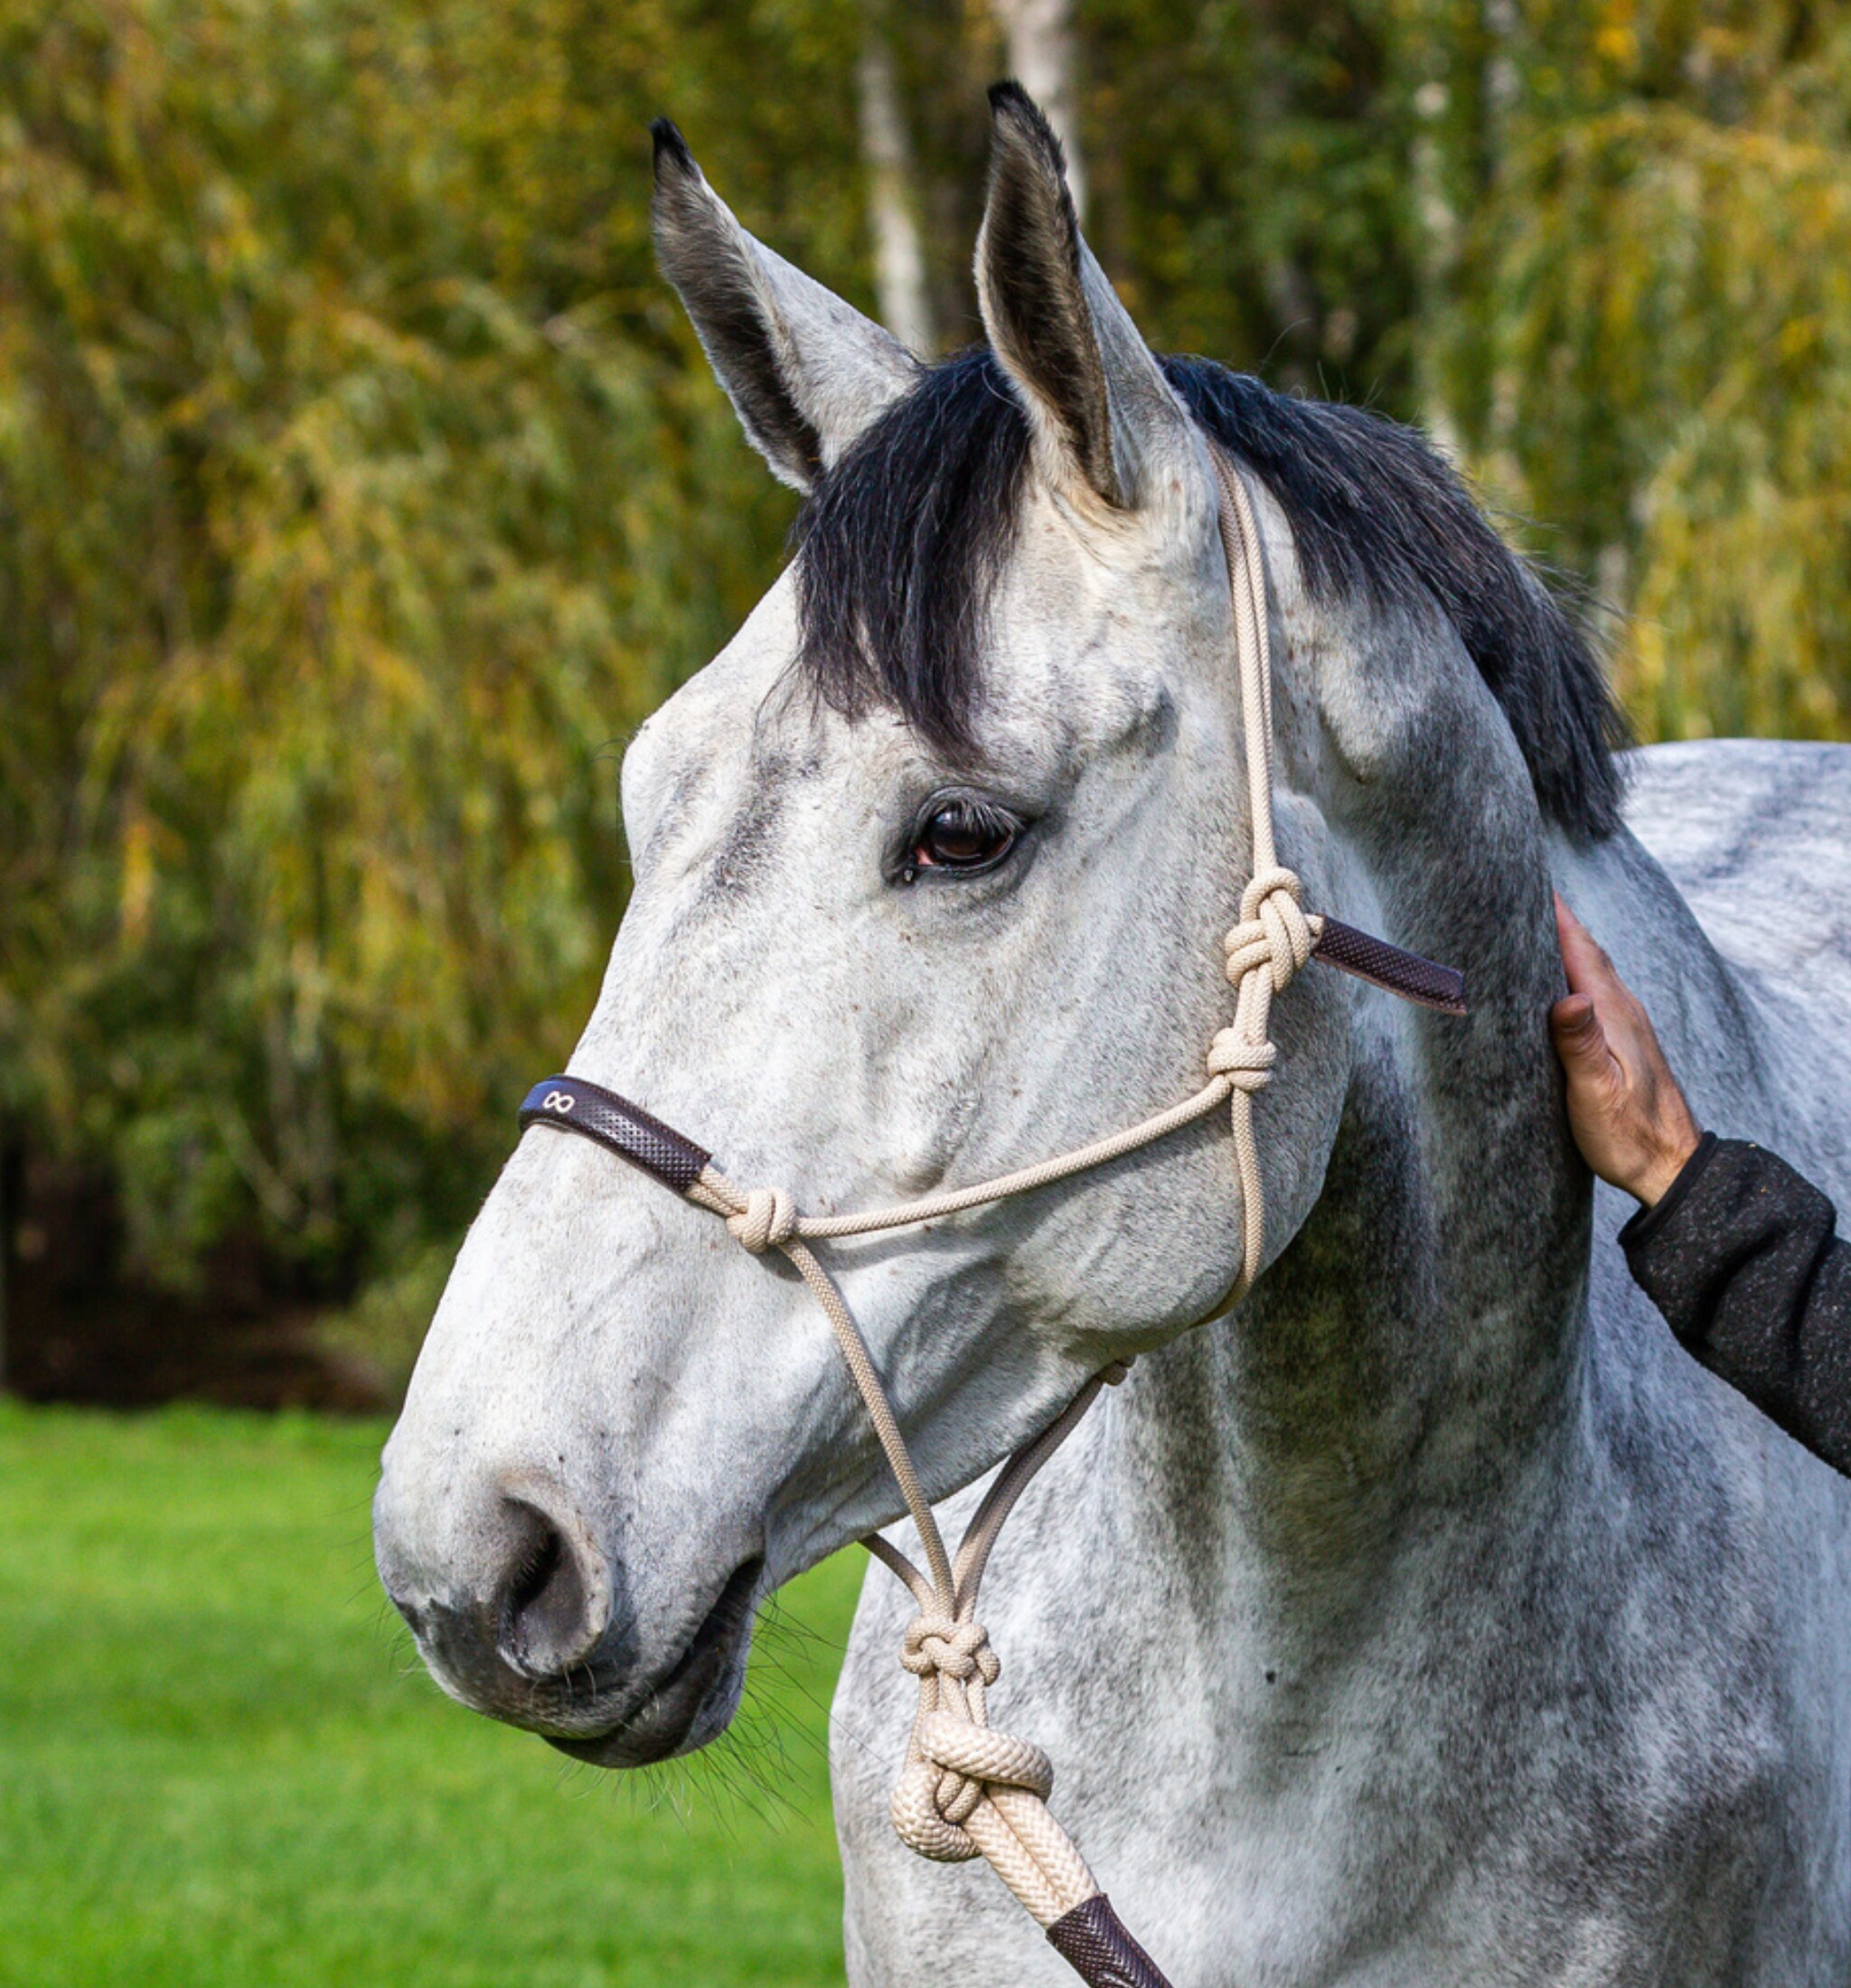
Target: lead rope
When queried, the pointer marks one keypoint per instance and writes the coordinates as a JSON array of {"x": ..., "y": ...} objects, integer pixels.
[{"x": 968, "y": 1789}]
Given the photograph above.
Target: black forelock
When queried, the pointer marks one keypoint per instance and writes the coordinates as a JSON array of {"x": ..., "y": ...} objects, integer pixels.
[{"x": 900, "y": 544}]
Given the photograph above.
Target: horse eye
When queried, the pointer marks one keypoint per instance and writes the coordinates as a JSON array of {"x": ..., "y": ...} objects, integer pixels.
[{"x": 963, "y": 835}]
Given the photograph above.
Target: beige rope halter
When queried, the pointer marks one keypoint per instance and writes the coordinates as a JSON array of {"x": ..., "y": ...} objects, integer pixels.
[{"x": 968, "y": 1789}]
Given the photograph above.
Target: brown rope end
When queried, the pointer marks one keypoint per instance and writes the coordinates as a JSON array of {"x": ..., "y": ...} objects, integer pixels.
[{"x": 1093, "y": 1943}]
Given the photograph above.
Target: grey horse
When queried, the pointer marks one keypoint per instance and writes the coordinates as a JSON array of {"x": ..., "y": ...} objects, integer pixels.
[{"x": 1429, "y": 1617}]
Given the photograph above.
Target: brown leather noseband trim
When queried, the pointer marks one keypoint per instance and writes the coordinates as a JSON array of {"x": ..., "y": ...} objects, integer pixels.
[
  {"x": 570, "y": 1105},
  {"x": 573, "y": 1104}
]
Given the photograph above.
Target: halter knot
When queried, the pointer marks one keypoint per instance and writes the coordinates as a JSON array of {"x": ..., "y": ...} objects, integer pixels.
[
  {"x": 954, "y": 1764},
  {"x": 1273, "y": 933},
  {"x": 1248, "y": 1065},
  {"x": 954, "y": 1758},
  {"x": 769, "y": 1218},
  {"x": 936, "y": 1644}
]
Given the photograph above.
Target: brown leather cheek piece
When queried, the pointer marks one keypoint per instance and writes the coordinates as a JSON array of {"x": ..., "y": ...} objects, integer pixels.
[
  {"x": 570, "y": 1105},
  {"x": 1387, "y": 966},
  {"x": 1099, "y": 1950}
]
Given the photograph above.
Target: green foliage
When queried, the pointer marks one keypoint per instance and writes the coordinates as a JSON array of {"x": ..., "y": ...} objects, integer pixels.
[
  {"x": 1246, "y": 167},
  {"x": 1251, "y": 201},
  {"x": 361, "y": 487},
  {"x": 1653, "y": 344},
  {"x": 220, "y": 1766},
  {"x": 360, "y": 491}
]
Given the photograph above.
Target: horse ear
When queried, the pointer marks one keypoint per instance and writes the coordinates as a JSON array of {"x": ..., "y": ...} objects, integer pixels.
[
  {"x": 805, "y": 371},
  {"x": 1099, "y": 405}
]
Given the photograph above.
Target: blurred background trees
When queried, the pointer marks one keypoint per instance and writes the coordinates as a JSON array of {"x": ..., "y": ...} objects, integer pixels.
[{"x": 360, "y": 489}]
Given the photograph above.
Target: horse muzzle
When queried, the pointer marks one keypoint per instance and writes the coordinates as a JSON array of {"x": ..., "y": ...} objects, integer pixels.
[
  {"x": 529, "y": 1623},
  {"x": 693, "y": 1702}
]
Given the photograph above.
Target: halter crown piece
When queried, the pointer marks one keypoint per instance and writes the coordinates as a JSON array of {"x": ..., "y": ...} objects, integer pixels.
[{"x": 968, "y": 1789}]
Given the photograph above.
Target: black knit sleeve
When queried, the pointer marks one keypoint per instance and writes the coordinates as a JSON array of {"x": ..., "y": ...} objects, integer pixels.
[{"x": 1742, "y": 1258}]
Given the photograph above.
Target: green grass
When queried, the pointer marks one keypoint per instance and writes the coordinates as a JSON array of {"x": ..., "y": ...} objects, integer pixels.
[{"x": 221, "y": 1766}]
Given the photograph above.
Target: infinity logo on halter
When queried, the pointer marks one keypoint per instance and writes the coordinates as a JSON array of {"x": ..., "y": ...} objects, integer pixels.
[{"x": 624, "y": 1128}]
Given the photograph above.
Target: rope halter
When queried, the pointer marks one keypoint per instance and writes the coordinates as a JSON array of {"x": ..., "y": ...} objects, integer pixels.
[
  {"x": 767, "y": 1221},
  {"x": 967, "y": 1789}
]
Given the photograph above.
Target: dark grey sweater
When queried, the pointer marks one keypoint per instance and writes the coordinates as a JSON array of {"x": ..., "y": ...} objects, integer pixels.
[{"x": 1742, "y": 1259}]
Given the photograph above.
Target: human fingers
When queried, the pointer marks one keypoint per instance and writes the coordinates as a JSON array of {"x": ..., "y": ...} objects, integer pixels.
[
  {"x": 1581, "y": 1042},
  {"x": 1589, "y": 969}
]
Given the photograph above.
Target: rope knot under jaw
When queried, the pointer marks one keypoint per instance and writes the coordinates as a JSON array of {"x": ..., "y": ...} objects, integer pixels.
[
  {"x": 936, "y": 1644},
  {"x": 954, "y": 1764},
  {"x": 955, "y": 1760},
  {"x": 768, "y": 1219}
]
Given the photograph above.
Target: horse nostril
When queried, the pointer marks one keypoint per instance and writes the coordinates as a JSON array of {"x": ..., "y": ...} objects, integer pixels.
[{"x": 555, "y": 1606}]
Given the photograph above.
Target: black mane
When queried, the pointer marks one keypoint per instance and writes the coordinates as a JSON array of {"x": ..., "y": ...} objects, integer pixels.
[{"x": 902, "y": 540}]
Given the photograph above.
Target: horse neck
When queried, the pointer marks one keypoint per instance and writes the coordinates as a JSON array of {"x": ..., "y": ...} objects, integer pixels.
[{"x": 1416, "y": 1346}]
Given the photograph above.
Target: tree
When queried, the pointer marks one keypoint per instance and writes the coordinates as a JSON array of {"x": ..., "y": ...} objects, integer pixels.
[
  {"x": 1649, "y": 341},
  {"x": 899, "y": 253}
]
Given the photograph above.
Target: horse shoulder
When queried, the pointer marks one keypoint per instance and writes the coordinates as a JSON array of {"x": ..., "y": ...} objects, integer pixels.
[{"x": 1756, "y": 833}]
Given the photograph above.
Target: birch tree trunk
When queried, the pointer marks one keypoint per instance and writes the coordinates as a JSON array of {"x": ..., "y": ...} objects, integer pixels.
[
  {"x": 899, "y": 256},
  {"x": 1040, "y": 34}
]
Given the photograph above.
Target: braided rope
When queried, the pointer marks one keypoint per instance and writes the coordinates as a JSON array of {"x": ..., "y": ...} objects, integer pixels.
[{"x": 967, "y": 1789}]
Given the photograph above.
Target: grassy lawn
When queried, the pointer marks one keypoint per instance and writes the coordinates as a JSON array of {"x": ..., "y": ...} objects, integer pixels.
[{"x": 221, "y": 1766}]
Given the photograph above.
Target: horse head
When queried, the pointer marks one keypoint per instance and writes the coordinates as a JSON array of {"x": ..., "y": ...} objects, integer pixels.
[{"x": 932, "y": 865}]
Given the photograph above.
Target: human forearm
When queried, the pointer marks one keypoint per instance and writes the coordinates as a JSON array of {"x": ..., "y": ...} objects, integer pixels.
[{"x": 1742, "y": 1258}]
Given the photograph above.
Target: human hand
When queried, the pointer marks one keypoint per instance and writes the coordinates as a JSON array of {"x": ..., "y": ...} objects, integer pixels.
[{"x": 1627, "y": 1115}]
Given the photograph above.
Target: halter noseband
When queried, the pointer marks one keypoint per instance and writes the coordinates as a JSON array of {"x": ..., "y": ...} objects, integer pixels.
[{"x": 968, "y": 1789}]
